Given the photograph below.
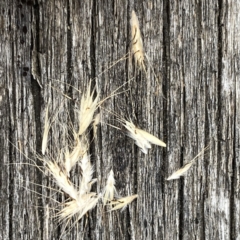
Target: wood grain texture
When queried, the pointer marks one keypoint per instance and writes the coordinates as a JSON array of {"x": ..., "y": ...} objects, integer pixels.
[{"x": 188, "y": 97}]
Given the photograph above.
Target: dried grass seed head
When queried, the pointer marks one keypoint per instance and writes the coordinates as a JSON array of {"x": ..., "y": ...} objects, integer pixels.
[
  {"x": 180, "y": 172},
  {"x": 78, "y": 151},
  {"x": 150, "y": 138},
  {"x": 142, "y": 138},
  {"x": 61, "y": 179},
  {"x": 79, "y": 207},
  {"x": 140, "y": 141},
  {"x": 91, "y": 201},
  {"x": 183, "y": 170},
  {"x": 87, "y": 172},
  {"x": 137, "y": 44},
  {"x": 47, "y": 125},
  {"x": 122, "y": 203},
  {"x": 110, "y": 189},
  {"x": 87, "y": 109}
]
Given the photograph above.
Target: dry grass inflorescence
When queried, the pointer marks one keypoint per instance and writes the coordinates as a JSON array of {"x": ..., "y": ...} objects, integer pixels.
[
  {"x": 136, "y": 41},
  {"x": 59, "y": 164}
]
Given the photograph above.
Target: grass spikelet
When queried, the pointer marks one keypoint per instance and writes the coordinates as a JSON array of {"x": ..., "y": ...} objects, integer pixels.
[
  {"x": 180, "y": 172},
  {"x": 61, "y": 179},
  {"x": 139, "y": 140},
  {"x": 45, "y": 133},
  {"x": 87, "y": 109},
  {"x": 152, "y": 139},
  {"x": 137, "y": 44},
  {"x": 71, "y": 158},
  {"x": 77, "y": 208},
  {"x": 71, "y": 208},
  {"x": 83, "y": 200},
  {"x": 109, "y": 189},
  {"x": 87, "y": 172},
  {"x": 91, "y": 201},
  {"x": 47, "y": 124},
  {"x": 122, "y": 203},
  {"x": 183, "y": 170},
  {"x": 142, "y": 138}
]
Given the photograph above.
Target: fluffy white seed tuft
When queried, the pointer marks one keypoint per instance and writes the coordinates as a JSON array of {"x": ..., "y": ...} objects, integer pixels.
[
  {"x": 109, "y": 189},
  {"x": 142, "y": 138}
]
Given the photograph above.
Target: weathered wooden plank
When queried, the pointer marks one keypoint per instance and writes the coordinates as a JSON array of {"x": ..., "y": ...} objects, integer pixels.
[
  {"x": 52, "y": 62},
  {"x": 196, "y": 125},
  {"x": 230, "y": 109},
  {"x": 15, "y": 57},
  {"x": 111, "y": 38},
  {"x": 192, "y": 47},
  {"x": 174, "y": 47}
]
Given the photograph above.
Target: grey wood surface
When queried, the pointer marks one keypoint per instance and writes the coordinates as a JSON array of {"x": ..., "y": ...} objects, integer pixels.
[{"x": 192, "y": 47}]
